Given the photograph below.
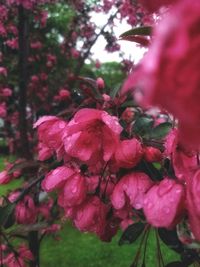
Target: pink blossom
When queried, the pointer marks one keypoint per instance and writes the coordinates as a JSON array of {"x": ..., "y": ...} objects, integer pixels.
[
  {"x": 44, "y": 152},
  {"x": 193, "y": 200},
  {"x": 154, "y": 5},
  {"x": 128, "y": 153},
  {"x": 56, "y": 178},
  {"x": 3, "y": 71},
  {"x": 152, "y": 154},
  {"x": 164, "y": 203},
  {"x": 100, "y": 83},
  {"x": 73, "y": 192},
  {"x": 91, "y": 216},
  {"x": 92, "y": 136},
  {"x": 50, "y": 131},
  {"x": 36, "y": 45},
  {"x": 131, "y": 187},
  {"x": 13, "y": 43},
  {"x": 170, "y": 68},
  {"x": 106, "y": 97},
  {"x": 128, "y": 114},
  {"x": 25, "y": 211},
  {"x": 7, "y": 92},
  {"x": 3, "y": 111},
  {"x": 13, "y": 260},
  {"x": 64, "y": 94},
  {"x": 5, "y": 177}
]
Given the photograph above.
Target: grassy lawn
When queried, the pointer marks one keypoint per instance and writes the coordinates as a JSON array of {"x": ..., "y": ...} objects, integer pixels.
[{"x": 75, "y": 249}]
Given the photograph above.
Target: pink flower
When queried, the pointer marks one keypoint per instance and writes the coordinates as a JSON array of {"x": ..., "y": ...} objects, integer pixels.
[
  {"x": 132, "y": 187},
  {"x": 3, "y": 110},
  {"x": 152, "y": 154},
  {"x": 44, "y": 152},
  {"x": 92, "y": 136},
  {"x": 91, "y": 216},
  {"x": 64, "y": 94},
  {"x": 164, "y": 203},
  {"x": 128, "y": 153},
  {"x": 5, "y": 177},
  {"x": 154, "y": 5},
  {"x": 100, "y": 83},
  {"x": 13, "y": 260},
  {"x": 3, "y": 71},
  {"x": 74, "y": 191},
  {"x": 50, "y": 131},
  {"x": 56, "y": 178},
  {"x": 168, "y": 75},
  {"x": 193, "y": 200},
  {"x": 71, "y": 185},
  {"x": 6, "y": 92},
  {"x": 25, "y": 211}
]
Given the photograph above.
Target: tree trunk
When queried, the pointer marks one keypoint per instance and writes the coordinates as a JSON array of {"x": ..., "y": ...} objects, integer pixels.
[
  {"x": 23, "y": 78},
  {"x": 23, "y": 28}
]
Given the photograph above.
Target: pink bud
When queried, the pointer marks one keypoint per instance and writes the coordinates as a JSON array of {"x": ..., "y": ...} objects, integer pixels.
[
  {"x": 152, "y": 154},
  {"x": 100, "y": 83}
]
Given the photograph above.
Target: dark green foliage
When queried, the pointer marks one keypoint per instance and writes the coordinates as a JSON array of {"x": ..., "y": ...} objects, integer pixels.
[{"x": 132, "y": 233}]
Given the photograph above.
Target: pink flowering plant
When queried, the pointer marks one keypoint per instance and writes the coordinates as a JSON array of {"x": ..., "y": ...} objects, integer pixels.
[{"x": 95, "y": 154}]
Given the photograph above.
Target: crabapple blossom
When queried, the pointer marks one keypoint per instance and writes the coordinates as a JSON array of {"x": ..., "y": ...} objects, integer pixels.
[
  {"x": 164, "y": 203},
  {"x": 26, "y": 211},
  {"x": 131, "y": 187},
  {"x": 128, "y": 153},
  {"x": 92, "y": 136}
]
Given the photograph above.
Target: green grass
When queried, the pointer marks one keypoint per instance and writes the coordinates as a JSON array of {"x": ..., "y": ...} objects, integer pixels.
[{"x": 75, "y": 249}]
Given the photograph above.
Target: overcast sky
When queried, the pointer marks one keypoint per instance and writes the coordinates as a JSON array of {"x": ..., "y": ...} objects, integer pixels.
[{"x": 130, "y": 49}]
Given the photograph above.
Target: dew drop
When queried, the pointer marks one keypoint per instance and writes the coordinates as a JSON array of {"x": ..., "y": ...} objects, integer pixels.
[{"x": 178, "y": 190}]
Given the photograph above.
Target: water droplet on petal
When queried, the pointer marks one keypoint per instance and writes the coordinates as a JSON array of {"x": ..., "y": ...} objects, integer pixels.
[
  {"x": 74, "y": 190},
  {"x": 61, "y": 125},
  {"x": 178, "y": 190}
]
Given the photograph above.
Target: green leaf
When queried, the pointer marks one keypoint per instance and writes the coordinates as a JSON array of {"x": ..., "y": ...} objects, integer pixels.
[
  {"x": 175, "y": 264},
  {"x": 114, "y": 91},
  {"x": 161, "y": 130},
  {"x": 131, "y": 233},
  {"x": 143, "y": 125},
  {"x": 145, "y": 30},
  {"x": 6, "y": 214},
  {"x": 170, "y": 238}
]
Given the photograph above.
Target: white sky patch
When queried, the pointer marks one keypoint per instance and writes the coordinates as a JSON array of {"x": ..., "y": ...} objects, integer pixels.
[{"x": 130, "y": 50}]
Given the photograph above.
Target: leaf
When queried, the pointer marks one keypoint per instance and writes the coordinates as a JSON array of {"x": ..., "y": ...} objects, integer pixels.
[
  {"x": 131, "y": 233},
  {"x": 6, "y": 215},
  {"x": 114, "y": 91},
  {"x": 144, "y": 30},
  {"x": 143, "y": 125},
  {"x": 175, "y": 264},
  {"x": 161, "y": 130},
  {"x": 170, "y": 238},
  {"x": 144, "y": 41},
  {"x": 149, "y": 168}
]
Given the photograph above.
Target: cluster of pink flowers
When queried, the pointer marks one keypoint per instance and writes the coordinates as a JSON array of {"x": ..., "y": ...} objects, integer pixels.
[
  {"x": 13, "y": 258},
  {"x": 99, "y": 199}
]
